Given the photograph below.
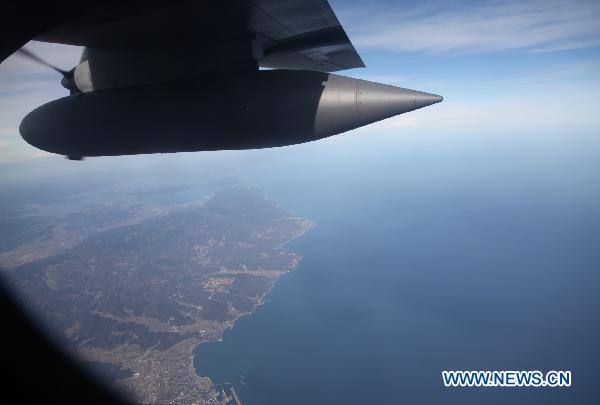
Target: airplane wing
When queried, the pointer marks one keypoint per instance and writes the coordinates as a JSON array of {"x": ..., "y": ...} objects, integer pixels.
[
  {"x": 159, "y": 73},
  {"x": 290, "y": 34}
]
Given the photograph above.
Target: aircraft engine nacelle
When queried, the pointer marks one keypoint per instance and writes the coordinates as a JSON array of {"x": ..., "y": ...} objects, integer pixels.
[{"x": 262, "y": 109}]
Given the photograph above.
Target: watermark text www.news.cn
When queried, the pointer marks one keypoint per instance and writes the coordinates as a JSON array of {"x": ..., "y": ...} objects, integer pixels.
[{"x": 505, "y": 378}]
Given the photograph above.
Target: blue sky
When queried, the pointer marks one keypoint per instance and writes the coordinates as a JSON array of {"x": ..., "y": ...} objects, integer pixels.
[
  {"x": 495, "y": 62},
  {"x": 505, "y": 68}
]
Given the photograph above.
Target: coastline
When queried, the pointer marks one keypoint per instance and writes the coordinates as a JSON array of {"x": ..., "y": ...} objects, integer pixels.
[
  {"x": 307, "y": 225},
  {"x": 165, "y": 282}
]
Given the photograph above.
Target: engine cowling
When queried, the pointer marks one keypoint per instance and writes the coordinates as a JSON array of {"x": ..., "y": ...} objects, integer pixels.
[{"x": 261, "y": 109}]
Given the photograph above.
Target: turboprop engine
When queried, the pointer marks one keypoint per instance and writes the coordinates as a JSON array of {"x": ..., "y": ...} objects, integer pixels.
[{"x": 260, "y": 109}]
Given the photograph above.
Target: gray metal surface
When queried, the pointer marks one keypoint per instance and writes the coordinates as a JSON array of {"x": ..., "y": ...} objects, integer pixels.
[{"x": 348, "y": 103}]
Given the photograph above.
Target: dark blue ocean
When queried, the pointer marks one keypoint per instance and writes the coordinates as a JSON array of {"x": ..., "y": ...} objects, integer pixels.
[{"x": 428, "y": 255}]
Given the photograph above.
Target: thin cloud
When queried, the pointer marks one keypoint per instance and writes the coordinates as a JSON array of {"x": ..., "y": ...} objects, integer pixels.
[
  {"x": 549, "y": 25},
  {"x": 12, "y": 151},
  {"x": 25, "y": 85}
]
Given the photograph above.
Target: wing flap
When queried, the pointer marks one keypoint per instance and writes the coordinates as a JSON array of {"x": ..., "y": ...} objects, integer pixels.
[{"x": 301, "y": 34}]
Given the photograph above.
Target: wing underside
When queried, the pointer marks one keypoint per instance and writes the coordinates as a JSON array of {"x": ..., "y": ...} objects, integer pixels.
[{"x": 290, "y": 34}]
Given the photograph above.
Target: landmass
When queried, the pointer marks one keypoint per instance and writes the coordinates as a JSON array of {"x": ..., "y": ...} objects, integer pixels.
[{"x": 133, "y": 289}]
